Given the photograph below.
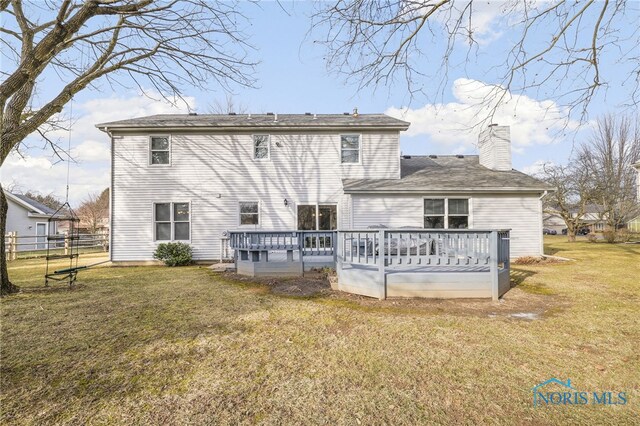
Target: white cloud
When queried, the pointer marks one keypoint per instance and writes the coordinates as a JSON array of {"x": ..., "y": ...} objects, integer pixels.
[
  {"x": 91, "y": 150},
  {"x": 40, "y": 171},
  {"x": 454, "y": 126},
  {"x": 537, "y": 167}
]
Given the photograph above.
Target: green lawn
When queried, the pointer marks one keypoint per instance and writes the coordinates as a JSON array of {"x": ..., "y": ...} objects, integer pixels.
[{"x": 154, "y": 345}]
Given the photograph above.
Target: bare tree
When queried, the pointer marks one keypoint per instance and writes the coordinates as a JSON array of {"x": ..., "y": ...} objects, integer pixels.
[
  {"x": 609, "y": 156},
  {"x": 573, "y": 193},
  {"x": 140, "y": 43},
  {"x": 94, "y": 210},
  {"x": 374, "y": 43},
  {"x": 228, "y": 105},
  {"x": 49, "y": 200}
]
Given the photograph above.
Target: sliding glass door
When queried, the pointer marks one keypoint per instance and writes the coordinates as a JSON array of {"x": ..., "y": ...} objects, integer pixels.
[{"x": 317, "y": 217}]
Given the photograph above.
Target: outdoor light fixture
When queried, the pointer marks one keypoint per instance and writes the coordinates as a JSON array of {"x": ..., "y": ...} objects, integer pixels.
[{"x": 286, "y": 203}]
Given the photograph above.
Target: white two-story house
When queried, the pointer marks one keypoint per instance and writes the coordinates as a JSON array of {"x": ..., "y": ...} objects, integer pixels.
[{"x": 192, "y": 177}]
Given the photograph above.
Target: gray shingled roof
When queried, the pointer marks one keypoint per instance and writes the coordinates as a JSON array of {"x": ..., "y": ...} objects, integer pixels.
[
  {"x": 258, "y": 120},
  {"x": 36, "y": 205},
  {"x": 447, "y": 173}
]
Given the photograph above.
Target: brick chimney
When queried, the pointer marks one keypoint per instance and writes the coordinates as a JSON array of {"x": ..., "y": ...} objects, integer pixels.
[{"x": 494, "y": 144}]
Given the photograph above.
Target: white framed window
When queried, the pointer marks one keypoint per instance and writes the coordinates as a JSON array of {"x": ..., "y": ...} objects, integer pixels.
[
  {"x": 446, "y": 213},
  {"x": 350, "y": 149},
  {"x": 249, "y": 213},
  {"x": 172, "y": 221},
  {"x": 159, "y": 150},
  {"x": 261, "y": 147}
]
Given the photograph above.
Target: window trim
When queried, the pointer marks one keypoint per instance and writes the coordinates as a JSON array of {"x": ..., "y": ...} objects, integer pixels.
[
  {"x": 171, "y": 221},
  {"x": 253, "y": 147},
  {"x": 151, "y": 151},
  {"x": 248, "y": 225},
  {"x": 359, "y": 135},
  {"x": 446, "y": 209}
]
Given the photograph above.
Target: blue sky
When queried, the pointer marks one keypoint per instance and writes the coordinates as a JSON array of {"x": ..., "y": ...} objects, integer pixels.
[{"x": 292, "y": 77}]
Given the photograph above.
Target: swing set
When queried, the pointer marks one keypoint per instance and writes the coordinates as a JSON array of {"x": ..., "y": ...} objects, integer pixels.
[{"x": 70, "y": 241}]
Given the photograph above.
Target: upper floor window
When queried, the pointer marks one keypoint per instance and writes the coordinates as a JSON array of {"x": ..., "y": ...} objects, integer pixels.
[
  {"x": 249, "y": 213},
  {"x": 349, "y": 149},
  {"x": 171, "y": 221},
  {"x": 261, "y": 147},
  {"x": 160, "y": 150},
  {"x": 451, "y": 213}
]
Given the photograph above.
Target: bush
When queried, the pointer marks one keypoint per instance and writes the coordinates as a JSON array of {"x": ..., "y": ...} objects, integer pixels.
[
  {"x": 173, "y": 254},
  {"x": 592, "y": 237},
  {"x": 624, "y": 235},
  {"x": 609, "y": 236}
]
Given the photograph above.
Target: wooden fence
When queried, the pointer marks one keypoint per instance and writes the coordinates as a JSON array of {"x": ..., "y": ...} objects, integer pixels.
[{"x": 31, "y": 246}]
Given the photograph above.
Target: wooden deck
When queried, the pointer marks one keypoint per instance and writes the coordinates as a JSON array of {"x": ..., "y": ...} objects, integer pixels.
[{"x": 386, "y": 262}]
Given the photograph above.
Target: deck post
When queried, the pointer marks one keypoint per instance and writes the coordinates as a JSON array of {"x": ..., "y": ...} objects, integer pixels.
[
  {"x": 493, "y": 265},
  {"x": 334, "y": 247},
  {"x": 300, "y": 237},
  {"x": 382, "y": 277}
]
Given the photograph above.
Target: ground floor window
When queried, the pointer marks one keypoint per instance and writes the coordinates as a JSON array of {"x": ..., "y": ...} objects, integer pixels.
[
  {"x": 249, "y": 213},
  {"x": 172, "y": 221},
  {"x": 449, "y": 213}
]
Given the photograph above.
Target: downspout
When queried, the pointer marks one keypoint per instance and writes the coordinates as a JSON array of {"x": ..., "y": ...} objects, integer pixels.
[{"x": 544, "y": 194}]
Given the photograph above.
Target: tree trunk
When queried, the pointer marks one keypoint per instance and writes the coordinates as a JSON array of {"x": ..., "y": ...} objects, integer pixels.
[{"x": 5, "y": 285}]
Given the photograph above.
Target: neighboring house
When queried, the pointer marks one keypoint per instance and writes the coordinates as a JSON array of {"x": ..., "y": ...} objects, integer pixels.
[
  {"x": 554, "y": 221},
  {"x": 193, "y": 177},
  {"x": 29, "y": 219}
]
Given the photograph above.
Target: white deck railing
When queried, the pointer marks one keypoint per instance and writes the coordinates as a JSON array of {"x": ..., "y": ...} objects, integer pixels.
[
  {"x": 424, "y": 247},
  {"x": 308, "y": 243}
]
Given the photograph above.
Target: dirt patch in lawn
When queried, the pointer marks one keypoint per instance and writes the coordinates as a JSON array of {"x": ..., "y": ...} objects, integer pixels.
[
  {"x": 313, "y": 284},
  {"x": 517, "y": 304}
]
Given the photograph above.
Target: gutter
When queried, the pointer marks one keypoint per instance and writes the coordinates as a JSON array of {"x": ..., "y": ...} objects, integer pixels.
[
  {"x": 243, "y": 128},
  {"x": 445, "y": 190}
]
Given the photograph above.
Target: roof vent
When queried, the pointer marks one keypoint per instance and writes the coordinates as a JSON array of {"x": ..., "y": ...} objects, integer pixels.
[
  {"x": 460, "y": 156},
  {"x": 248, "y": 116},
  {"x": 355, "y": 112},
  {"x": 232, "y": 113},
  {"x": 345, "y": 113},
  {"x": 406, "y": 157},
  {"x": 315, "y": 116},
  {"x": 433, "y": 156},
  {"x": 269, "y": 113},
  {"x": 307, "y": 113},
  {"x": 193, "y": 113}
]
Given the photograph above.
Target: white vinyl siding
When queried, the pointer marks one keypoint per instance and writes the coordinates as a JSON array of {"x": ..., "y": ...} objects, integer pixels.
[
  {"x": 520, "y": 213},
  {"x": 212, "y": 171}
]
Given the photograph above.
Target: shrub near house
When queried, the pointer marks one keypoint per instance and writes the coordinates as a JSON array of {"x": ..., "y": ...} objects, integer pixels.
[{"x": 174, "y": 254}]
